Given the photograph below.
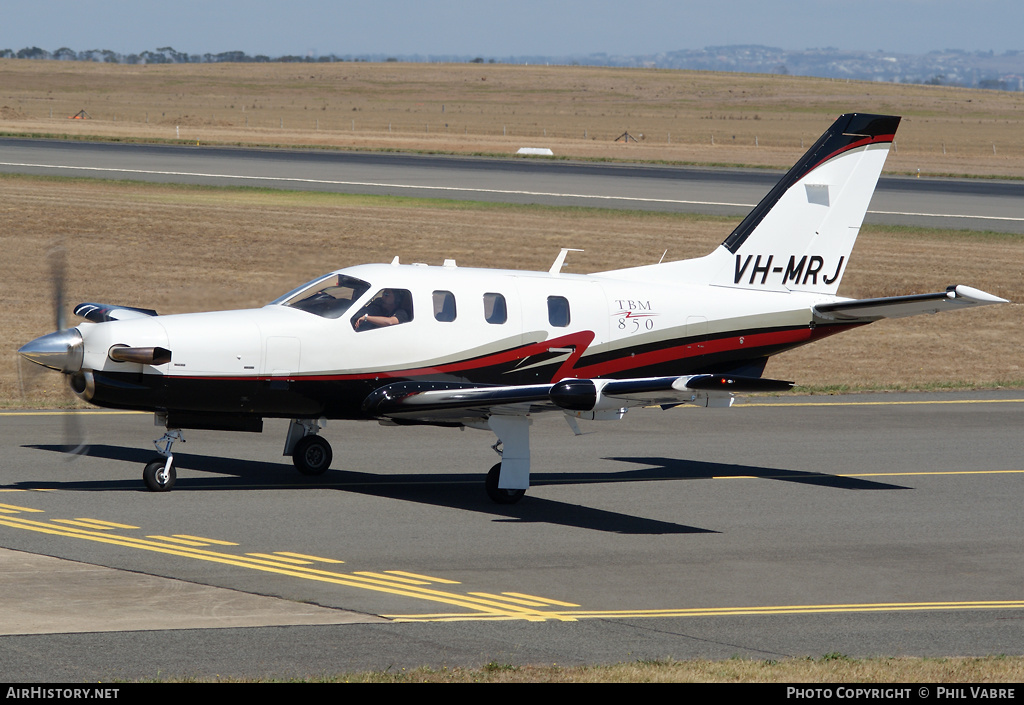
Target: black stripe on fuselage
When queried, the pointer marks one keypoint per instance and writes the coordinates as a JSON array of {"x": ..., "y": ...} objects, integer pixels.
[{"x": 342, "y": 396}]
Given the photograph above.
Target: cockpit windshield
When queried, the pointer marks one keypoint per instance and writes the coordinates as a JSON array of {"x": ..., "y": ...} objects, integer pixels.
[{"x": 329, "y": 296}]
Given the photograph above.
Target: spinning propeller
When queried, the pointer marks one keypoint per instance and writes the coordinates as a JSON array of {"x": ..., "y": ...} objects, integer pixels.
[{"x": 61, "y": 350}]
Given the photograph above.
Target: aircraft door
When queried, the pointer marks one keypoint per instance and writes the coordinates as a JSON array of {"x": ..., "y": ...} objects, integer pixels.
[{"x": 281, "y": 356}]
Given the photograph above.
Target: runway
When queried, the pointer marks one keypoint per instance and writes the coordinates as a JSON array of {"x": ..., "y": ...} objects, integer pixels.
[
  {"x": 941, "y": 203},
  {"x": 796, "y": 526}
]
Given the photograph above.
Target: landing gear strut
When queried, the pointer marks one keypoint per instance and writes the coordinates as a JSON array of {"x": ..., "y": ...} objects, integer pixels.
[
  {"x": 311, "y": 454},
  {"x": 160, "y": 474},
  {"x": 498, "y": 495},
  {"x": 507, "y": 482}
]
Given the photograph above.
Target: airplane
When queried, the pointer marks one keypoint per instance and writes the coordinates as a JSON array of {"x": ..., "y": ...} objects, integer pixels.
[{"x": 412, "y": 344}]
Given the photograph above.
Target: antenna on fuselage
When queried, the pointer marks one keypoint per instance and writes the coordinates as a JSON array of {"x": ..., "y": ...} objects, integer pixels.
[{"x": 556, "y": 267}]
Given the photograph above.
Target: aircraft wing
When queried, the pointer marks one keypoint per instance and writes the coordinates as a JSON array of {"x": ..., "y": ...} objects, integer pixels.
[
  {"x": 439, "y": 402},
  {"x": 953, "y": 298}
]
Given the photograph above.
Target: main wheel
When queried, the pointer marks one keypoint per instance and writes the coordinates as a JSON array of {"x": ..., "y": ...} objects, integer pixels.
[
  {"x": 156, "y": 478},
  {"x": 312, "y": 455},
  {"x": 497, "y": 494}
]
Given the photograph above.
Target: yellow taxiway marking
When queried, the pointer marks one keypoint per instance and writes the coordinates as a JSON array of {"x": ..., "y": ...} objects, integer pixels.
[
  {"x": 94, "y": 523},
  {"x": 473, "y": 606},
  {"x": 305, "y": 556},
  {"x": 385, "y": 576},
  {"x": 14, "y": 509},
  {"x": 724, "y": 611},
  {"x": 273, "y": 557},
  {"x": 540, "y": 599},
  {"x": 518, "y": 601},
  {"x": 490, "y": 606},
  {"x": 417, "y": 576},
  {"x": 100, "y": 523},
  {"x": 202, "y": 539},
  {"x": 171, "y": 539}
]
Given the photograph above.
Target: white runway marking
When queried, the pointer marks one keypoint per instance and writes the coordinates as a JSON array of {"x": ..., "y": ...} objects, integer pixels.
[{"x": 465, "y": 189}]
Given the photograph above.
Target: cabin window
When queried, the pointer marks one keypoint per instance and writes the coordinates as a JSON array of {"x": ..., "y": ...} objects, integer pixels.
[
  {"x": 558, "y": 311},
  {"x": 494, "y": 309},
  {"x": 388, "y": 307},
  {"x": 444, "y": 306},
  {"x": 329, "y": 297}
]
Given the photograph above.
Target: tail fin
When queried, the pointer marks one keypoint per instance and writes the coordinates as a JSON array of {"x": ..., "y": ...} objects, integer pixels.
[{"x": 799, "y": 237}]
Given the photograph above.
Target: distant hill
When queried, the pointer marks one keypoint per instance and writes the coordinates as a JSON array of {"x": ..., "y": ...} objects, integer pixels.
[{"x": 949, "y": 67}]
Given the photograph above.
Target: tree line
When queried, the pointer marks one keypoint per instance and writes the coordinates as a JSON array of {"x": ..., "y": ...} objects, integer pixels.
[{"x": 162, "y": 55}]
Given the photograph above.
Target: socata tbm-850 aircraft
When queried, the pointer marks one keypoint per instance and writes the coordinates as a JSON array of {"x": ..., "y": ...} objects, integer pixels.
[{"x": 452, "y": 346}]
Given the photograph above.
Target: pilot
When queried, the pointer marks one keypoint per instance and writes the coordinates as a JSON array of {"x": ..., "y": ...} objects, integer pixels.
[{"x": 388, "y": 309}]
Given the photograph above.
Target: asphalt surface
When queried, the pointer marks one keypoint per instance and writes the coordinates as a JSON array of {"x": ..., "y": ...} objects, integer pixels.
[
  {"x": 866, "y": 525},
  {"x": 944, "y": 203}
]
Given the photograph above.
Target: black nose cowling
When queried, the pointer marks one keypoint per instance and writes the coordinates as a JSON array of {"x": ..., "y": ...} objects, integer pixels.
[{"x": 62, "y": 351}]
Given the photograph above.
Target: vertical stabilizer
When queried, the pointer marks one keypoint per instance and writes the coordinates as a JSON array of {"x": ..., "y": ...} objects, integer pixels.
[{"x": 799, "y": 237}]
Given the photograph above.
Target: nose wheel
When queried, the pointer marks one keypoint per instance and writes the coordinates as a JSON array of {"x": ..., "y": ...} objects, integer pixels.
[{"x": 160, "y": 474}]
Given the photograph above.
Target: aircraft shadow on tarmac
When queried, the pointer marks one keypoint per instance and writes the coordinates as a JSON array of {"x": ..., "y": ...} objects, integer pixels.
[
  {"x": 677, "y": 469},
  {"x": 451, "y": 490}
]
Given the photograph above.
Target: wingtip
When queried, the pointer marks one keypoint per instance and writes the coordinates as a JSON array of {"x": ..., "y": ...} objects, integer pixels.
[{"x": 976, "y": 295}]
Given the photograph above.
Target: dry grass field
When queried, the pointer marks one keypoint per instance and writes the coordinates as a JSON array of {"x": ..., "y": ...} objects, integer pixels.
[
  {"x": 830, "y": 670},
  {"x": 678, "y": 116},
  {"x": 179, "y": 249},
  {"x": 182, "y": 249}
]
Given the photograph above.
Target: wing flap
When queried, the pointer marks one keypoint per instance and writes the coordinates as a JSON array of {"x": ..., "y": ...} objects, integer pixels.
[{"x": 953, "y": 298}]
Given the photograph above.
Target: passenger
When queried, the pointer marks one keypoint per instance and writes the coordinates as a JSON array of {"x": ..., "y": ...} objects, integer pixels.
[{"x": 386, "y": 310}]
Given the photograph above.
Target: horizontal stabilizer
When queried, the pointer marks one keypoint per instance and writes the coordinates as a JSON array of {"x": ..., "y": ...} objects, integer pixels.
[
  {"x": 953, "y": 298},
  {"x": 100, "y": 313}
]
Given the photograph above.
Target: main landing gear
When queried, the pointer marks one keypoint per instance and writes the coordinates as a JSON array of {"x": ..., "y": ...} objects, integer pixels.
[
  {"x": 311, "y": 454},
  {"x": 498, "y": 495},
  {"x": 507, "y": 482}
]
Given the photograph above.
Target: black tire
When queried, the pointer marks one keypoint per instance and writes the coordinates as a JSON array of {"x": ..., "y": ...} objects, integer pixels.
[
  {"x": 153, "y": 475},
  {"x": 312, "y": 455},
  {"x": 497, "y": 494}
]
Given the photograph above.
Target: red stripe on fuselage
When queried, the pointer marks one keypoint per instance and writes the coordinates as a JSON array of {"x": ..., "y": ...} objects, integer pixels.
[{"x": 580, "y": 341}]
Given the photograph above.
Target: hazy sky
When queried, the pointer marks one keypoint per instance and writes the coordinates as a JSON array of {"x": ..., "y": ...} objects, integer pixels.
[{"x": 509, "y": 28}]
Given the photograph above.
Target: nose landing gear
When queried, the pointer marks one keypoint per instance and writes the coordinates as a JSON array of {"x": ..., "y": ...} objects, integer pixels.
[{"x": 160, "y": 474}]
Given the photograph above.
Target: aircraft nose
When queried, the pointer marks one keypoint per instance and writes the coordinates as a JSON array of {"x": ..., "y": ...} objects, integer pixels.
[{"x": 62, "y": 351}]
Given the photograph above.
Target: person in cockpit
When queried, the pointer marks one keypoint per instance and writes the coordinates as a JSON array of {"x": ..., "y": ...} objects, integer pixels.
[{"x": 388, "y": 309}]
